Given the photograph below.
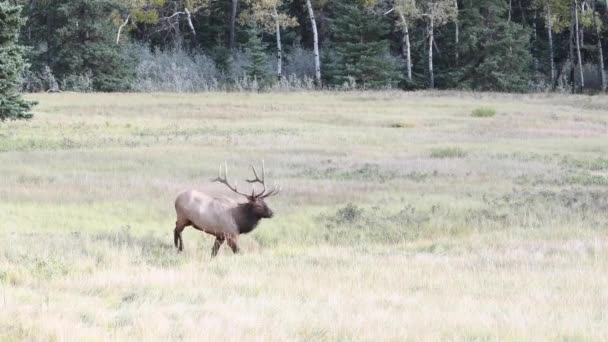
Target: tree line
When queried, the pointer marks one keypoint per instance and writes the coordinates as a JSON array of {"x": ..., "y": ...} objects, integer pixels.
[{"x": 487, "y": 45}]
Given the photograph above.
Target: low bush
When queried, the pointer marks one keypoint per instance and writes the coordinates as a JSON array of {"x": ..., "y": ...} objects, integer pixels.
[
  {"x": 448, "y": 152},
  {"x": 354, "y": 224},
  {"x": 483, "y": 112}
]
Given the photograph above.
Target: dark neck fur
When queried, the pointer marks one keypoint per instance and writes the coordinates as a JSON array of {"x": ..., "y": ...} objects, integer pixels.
[{"x": 245, "y": 218}]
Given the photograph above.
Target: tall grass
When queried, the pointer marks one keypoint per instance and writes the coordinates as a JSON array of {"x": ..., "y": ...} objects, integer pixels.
[{"x": 453, "y": 228}]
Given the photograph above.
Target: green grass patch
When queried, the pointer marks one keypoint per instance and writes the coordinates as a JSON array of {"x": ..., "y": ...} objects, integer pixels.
[
  {"x": 597, "y": 164},
  {"x": 448, "y": 152},
  {"x": 483, "y": 112}
]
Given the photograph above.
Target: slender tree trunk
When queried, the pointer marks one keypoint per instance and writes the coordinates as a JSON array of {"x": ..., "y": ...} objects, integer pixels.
[
  {"x": 578, "y": 47},
  {"x": 406, "y": 47},
  {"x": 176, "y": 28},
  {"x": 534, "y": 40},
  {"x": 121, "y": 27},
  {"x": 510, "y": 9},
  {"x": 431, "y": 40},
  {"x": 232, "y": 32},
  {"x": 534, "y": 28},
  {"x": 279, "y": 45},
  {"x": 29, "y": 27},
  {"x": 550, "y": 35},
  {"x": 523, "y": 13},
  {"x": 50, "y": 42},
  {"x": 457, "y": 33},
  {"x": 571, "y": 57},
  {"x": 599, "y": 48},
  {"x": 313, "y": 22},
  {"x": 189, "y": 20}
]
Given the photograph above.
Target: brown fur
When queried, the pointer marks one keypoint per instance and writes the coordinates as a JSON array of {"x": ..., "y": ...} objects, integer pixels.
[{"x": 223, "y": 217}]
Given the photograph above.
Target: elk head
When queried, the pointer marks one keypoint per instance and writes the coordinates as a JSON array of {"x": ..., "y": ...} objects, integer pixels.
[{"x": 255, "y": 206}]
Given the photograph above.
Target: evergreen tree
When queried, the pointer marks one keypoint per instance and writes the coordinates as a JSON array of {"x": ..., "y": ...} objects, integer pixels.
[
  {"x": 487, "y": 46},
  {"x": 12, "y": 106},
  {"x": 255, "y": 50},
  {"x": 361, "y": 49},
  {"x": 495, "y": 53},
  {"x": 78, "y": 37},
  {"x": 211, "y": 26}
]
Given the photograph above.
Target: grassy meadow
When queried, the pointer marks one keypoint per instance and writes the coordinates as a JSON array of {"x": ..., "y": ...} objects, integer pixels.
[{"x": 403, "y": 216}]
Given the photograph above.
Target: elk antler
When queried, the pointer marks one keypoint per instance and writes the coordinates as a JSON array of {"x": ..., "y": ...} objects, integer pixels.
[
  {"x": 224, "y": 180},
  {"x": 275, "y": 190}
]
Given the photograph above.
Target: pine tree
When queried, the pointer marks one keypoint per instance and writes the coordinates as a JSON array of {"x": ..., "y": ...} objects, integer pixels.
[
  {"x": 78, "y": 37},
  {"x": 361, "y": 49},
  {"x": 255, "y": 50},
  {"x": 12, "y": 106},
  {"x": 495, "y": 53}
]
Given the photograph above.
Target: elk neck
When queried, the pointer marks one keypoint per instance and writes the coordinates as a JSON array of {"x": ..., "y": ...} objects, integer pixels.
[{"x": 245, "y": 218}]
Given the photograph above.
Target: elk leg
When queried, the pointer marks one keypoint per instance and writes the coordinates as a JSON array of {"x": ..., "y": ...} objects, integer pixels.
[
  {"x": 216, "y": 246},
  {"x": 233, "y": 244},
  {"x": 177, "y": 236}
]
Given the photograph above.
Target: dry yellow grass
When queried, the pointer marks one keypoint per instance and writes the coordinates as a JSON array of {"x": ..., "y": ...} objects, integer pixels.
[{"x": 505, "y": 240}]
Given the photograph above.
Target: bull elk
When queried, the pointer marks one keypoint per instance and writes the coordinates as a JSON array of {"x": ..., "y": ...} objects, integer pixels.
[{"x": 223, "y": 217}]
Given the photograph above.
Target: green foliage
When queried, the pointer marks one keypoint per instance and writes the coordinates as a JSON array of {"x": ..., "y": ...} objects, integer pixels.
[
  {"x": 255, "y": 50},
  {"x": 362, "y": 42},
  {"x": 448, "y": 152},
  {"x": 12, "y": 106},
  {"x": 80, "y": 40},
  {"x": 483, "y": 112},
  {"x": 495, "y": 52},
  {"x": 598, "y": 164},
  {"x": 361, "y": 49}
]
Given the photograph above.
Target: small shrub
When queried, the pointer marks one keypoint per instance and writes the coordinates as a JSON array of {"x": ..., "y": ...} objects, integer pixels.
[
  {"x": 598, "y": 164},
  {"x": 300, "y": 62},
  {"x": 174, "y": 70},
  {"x": 82, "y": 83},
  {"x": 483, "y": 112},
  {"x": 294, "y": 83},
  {"x": 348, "y": 214},
  {"x": 39, "y": 81},
  {"x": 448, "y": 152},
  {"x": 588, "y": 179},
  {"x": 402, "y": 124},
  {"x": 352, "y": 224}
]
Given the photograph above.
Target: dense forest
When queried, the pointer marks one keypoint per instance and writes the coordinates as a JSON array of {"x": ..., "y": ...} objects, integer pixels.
[{"x": 198, "y": 45}]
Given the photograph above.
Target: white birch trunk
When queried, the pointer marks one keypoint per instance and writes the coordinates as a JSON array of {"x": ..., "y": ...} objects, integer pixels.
[
  {"x": 457, "y": 33},
  {"x": 431, "y": 41},
  {"x": 122, "y": 26},
  {"x": 189, "y": 19},
  {"x": 571, "y": 54},
  {"x": 406, "y": 47},
  {"x": 550, "y": 35},
  {"x": 279, "y": 45},
  {"x": 599, "y": 48},
  {"x": 313, "y": 22},
  {"x": 232, "y": 30},
  {"x": 578, "y": 46}
]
